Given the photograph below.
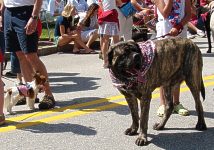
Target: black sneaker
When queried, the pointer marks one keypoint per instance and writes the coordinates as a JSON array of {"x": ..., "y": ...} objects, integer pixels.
[
  {"x": 48, "y": 102},
  {"x": 9, "y": 74}
]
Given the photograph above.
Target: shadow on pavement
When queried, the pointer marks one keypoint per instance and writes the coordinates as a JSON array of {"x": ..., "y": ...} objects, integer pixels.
[
  {"x": 74, "y": 82},
  {"x": 208, "y": 55},
  {"x": 99, "y": 104},
  {"x": 52, "y": 128},
  {"x": 209, "y": 115},
  {"x": 196, "y": 140}
]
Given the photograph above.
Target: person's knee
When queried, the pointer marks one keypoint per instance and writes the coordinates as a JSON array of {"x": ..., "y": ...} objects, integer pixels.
[
  {"x": 32, "y": 57},
  {"x": 21, "y": 56}
]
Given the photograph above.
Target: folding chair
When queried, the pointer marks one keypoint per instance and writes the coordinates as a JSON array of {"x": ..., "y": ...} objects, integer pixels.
[{"x": 44, "y": 16}]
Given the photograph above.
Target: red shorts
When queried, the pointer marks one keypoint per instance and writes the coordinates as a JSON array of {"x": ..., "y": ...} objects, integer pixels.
[{"x": 1, "y": 57}]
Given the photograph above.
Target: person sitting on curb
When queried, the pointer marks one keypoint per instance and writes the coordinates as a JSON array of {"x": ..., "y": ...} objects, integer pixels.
[
  {"x": 65, "y": 31},
  {"x": 89, "y": 25}
]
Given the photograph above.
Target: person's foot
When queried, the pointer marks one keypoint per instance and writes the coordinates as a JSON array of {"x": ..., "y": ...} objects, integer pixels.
[
  {"x": 201, "y": 33},
  {"x": 47, "y": 102},
  {"x": 100, "y": 55},
  {"x": 2, "y": 119},
  {"x": 76, "y": 50},
  {"x": 179, "y": 109},
  {"x": 90, "y": 51},
  {"x": 190, "y": 36},
  {"x": 160, "y": 111},
  {"x": 9, "y": 74}
]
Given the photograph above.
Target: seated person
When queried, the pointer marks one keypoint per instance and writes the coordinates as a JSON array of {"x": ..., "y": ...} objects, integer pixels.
[
  {"x": 65, "y": 31},
  {"x": 146, "y": 15},
  {"x": 89, "y": 26},
  {"x": 81, "y": 6},
  {"x": 196, "y": 25},
  {"x": 55, "y": 7}
]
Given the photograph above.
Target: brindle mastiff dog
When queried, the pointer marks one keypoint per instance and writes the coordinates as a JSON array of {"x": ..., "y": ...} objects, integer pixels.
[{"x": 175, "y": 60}]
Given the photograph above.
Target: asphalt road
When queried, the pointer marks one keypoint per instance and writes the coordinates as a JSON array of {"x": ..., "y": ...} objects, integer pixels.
[{"x": 92, "y": 115}]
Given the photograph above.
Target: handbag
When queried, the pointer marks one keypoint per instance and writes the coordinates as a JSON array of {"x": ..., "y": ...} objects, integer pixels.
[{"x": 128, "y": 9}]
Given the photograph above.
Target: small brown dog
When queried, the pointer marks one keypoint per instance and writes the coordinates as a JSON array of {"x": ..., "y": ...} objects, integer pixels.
[
  {"x": 28, "y": 90},
  {"x": 174, "y": 60}
]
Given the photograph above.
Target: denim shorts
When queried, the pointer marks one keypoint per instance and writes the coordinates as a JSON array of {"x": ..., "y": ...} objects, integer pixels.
[
  {"x": 2, "y": 45},
  {"x": 16, "y": 38}
]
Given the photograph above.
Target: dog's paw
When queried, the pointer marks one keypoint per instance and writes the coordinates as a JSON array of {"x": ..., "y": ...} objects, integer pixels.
[
  {"x": 131, "y": 131},
  {"x": 158, "y": 126},
  {"x": 201, "y": 126},
  {"x": 141, "y": 141}
]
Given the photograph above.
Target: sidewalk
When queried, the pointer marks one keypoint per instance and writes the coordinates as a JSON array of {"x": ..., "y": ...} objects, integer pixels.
[{"x": 48, "y": 47}]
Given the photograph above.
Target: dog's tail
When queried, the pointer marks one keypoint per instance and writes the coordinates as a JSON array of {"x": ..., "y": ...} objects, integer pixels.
[{"x": 202, "y": 89}]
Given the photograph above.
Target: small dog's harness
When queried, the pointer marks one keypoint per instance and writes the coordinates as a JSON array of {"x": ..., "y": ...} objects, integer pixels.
[
  {"x": 23, "y": 89},
  {"x": 148, "y": 53}
]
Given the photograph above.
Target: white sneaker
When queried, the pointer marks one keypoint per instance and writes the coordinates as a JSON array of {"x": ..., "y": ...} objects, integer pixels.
[
  {"x": 190, "y": 36},
  {"x": 201, "y": 33}
]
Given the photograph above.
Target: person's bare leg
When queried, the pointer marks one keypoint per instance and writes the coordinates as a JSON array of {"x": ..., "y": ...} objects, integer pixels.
[
  {"x": 161, "y": 109},
  {"x": 192, "y": 27},
  {"x": 92, "y": 38},
  {"x": 176, "y": 96},
  {"x": 38, "y": 65},
  {"x": 26, "y": 68},
  {"x": 83, "y": 45},
  {"x": 105, "y": 45},
  {"x": 1, "y": 95}
]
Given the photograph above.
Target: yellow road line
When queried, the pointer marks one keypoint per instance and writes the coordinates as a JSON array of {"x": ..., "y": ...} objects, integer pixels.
[
  {"x": 76, "y": 106},
  {"x": 77, "y": 113}
]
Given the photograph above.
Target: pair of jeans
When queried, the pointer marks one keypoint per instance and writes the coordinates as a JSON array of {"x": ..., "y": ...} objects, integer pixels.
[{"x": 15, "y": 66}]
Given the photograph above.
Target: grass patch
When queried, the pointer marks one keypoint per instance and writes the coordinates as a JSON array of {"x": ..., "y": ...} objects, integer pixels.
[{"x": 45, "y": 34}]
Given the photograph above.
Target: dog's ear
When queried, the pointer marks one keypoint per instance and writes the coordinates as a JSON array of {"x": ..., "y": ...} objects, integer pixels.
[
  {"x": 134, "y": 46},
  {"x": 43, "y": 80}
]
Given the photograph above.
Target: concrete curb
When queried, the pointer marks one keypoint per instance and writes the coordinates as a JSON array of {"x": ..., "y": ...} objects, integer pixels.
[{"x": 52, "y": 49}]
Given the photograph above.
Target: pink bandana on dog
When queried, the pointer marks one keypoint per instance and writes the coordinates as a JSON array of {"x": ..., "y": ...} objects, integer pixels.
[
  {"x": 24, "y": 89},
  {"x": 148, "y": 53}
]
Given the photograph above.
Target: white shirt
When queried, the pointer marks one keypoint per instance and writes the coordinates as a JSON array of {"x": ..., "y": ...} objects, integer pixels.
[
  {"x": 81, "y": 6},
  {"x": 18, "y": 3},
  {"x": 89, "y": 2},
  {"x": 164, "y": 26},
  {"x": 108, "y": 4},
  {"x": 55, "y": 7}
]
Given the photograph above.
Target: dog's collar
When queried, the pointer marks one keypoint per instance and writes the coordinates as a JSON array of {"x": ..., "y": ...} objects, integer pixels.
[{"x": 148, "y": 53}]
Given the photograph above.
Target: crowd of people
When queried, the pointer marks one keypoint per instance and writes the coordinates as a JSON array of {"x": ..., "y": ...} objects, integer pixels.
[{"x": 82, "y": 22}]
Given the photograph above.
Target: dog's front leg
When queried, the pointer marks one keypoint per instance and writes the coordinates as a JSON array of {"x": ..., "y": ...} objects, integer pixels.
[
  {"x": 144, "y": 117},
  {"x": 133, "y": 106},
  {"x": 168, "y": 108},
  {"x": 30, "y": 102}
]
